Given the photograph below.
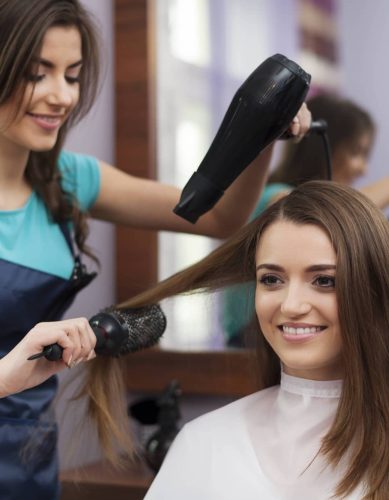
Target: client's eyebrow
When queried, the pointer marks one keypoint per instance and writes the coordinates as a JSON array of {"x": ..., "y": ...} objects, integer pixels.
[{"x": 309, "y": 269}]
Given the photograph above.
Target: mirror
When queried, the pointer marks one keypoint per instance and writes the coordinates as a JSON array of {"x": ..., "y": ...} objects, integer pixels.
[{"x": 200, "y": 52}]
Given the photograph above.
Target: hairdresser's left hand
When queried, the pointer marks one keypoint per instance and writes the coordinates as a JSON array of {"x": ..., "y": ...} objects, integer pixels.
[
  {"x": 300, "y": 123},
  {"x": 76, "y": 338}
]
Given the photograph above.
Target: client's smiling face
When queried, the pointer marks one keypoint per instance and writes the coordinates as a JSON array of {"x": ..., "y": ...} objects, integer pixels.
[{"x": 296, "y": 300}]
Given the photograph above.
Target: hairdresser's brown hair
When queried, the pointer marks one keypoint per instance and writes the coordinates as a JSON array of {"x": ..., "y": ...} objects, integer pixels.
[
  {"x": 306, "y": 160},
  {"x": 23, "y": 24},
  {"x": 360, "y": 236}
]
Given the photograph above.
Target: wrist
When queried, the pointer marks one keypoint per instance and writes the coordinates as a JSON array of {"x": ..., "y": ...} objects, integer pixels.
[{"x": 4, "y": 379}]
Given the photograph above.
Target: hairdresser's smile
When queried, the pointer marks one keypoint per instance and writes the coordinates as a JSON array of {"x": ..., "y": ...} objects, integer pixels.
[
  {"x": 296, "y": 300},
  {"x": 47, "y": 122},
  {"x": 51, "y": 95}
]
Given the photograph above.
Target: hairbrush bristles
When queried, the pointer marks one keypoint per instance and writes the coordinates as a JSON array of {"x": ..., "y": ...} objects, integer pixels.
[{"x": 144, "y": 327}]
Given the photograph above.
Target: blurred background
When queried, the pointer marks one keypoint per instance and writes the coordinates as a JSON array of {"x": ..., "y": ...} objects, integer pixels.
[{"x": 200, "y": 52}]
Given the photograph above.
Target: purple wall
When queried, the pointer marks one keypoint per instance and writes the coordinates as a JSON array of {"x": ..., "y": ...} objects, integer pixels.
[
  {"x": 95, "y": 136},
  {"x": 364, "y": 42}
]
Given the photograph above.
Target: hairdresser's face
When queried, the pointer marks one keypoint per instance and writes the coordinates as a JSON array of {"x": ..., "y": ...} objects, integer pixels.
[
  {"x": 296, "y": 301},
  {"x": 350, "y": 161},
  {"x": 52, "y": 93}
]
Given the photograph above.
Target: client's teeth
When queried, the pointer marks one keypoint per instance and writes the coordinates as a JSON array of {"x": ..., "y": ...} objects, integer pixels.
[{"x": 300, "y": 330}]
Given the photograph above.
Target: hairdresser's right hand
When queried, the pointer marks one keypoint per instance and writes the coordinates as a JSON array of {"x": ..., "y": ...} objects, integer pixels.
[
  {"x": 300, "y": 123},
  {"x": 76, "y": 338}
]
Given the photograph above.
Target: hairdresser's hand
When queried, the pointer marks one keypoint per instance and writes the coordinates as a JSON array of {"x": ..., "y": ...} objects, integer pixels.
[
  {"x": 300, "y": 123},
  {"x": 76, "y": 338}
]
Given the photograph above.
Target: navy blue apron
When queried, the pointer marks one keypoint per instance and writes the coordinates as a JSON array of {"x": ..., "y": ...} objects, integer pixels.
[{"x": 28, "y": 436}]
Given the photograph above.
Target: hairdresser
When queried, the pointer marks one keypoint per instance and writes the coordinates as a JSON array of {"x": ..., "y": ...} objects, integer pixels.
[
  {"x": 49, "y": 68},
  {"x": 351, "y": 133}
]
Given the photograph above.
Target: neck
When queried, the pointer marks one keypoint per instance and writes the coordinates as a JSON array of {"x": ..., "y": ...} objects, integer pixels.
[{"x": 326, "y": 373}]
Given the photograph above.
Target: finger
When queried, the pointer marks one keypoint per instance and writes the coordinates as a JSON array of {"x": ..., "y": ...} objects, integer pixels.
[
  {"x": 91, "y": 356},
  {"x": 86, "y": 341},
  {"x": 74, "y": 337},
  {"x": 88, "y": 338},
  {"x": 295, "y": 126},
  {"x": 46, "y": 334},
  {"x": 305, "y": 119},
  {"x": 62, "y": 339}
]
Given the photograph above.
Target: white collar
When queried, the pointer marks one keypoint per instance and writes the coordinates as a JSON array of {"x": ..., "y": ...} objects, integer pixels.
[{"x": 315, "y": 388}]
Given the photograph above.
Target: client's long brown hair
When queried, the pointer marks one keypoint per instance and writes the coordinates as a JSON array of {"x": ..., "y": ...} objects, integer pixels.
[{"x": 360, "y": 236}]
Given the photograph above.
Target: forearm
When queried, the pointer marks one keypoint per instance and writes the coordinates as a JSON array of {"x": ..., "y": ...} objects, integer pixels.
[
  {"x": 240, "y": 199},
  {"x": 378, "y": 192},
  {"x": 136, "y": 202},
  {"x": 5, "y": 375},
  {"x": 149, "y": 204}
]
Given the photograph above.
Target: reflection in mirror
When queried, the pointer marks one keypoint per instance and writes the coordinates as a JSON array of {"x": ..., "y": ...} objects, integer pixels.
[
  {"x": 195, "y": 82},
  {"x": 205, "y": 49}
]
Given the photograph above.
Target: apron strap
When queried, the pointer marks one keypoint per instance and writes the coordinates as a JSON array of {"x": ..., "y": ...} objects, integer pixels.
[
  {"x": 80, "y": 277},
  {"x": 64, "y": 227}
]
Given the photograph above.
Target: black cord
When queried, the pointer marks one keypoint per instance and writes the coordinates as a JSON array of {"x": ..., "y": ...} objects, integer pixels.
[
  {"x": 327, "y": 149},
  {"x": 320, "y": 127}
]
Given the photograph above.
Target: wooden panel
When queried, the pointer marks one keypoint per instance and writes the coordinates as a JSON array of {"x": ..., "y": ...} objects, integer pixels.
[
  {"x": 221, "y": 373},
  {"x": 101, "y": 481},
  {"x": 136, "y": 253}
]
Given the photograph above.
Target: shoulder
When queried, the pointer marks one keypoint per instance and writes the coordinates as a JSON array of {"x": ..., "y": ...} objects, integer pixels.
[
  {"x": 271, "y": 193},
  {"x": 80, "y": 175},
  {"x": 274, "y": 191},
  {"x": 232, "y": 416},
  {"x": 276, "y": 187},
  {"x": 210, "y": 452}
]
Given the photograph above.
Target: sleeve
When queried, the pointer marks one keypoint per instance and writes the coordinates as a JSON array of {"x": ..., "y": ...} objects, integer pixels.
[
  {"x": 182, "y": 472},
  {"x": 81, "y": 177}
]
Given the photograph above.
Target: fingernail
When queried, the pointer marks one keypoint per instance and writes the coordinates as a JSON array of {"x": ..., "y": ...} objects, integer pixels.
[
  {"x": 69, "y": 363},
  {"x": 91, "y": 355}
]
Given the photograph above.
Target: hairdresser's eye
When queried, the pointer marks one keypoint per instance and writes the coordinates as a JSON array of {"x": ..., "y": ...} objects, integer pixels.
[
  {"x": 72, "y": 79},
  {"x": 34, "y": 78},
  {"x": 324, "y": 281},
  {"x": 269, "y": 280}
]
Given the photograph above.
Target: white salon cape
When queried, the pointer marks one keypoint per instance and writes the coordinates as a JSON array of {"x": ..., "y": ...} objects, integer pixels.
[{"x": 261, "y": 447}]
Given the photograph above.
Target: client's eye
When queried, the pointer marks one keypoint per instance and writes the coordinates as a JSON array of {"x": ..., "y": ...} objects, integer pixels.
[
  {"x": 325, "y": 281},
  {"x": 269, "y": 280}
]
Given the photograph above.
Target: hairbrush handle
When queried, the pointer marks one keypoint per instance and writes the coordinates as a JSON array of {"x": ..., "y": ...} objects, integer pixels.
[
  {"x": 119, "y": 332},
  {"x": 109, "y": 337}
]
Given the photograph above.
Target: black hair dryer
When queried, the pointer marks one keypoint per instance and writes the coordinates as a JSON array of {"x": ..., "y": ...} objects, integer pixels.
[{"x": 260, "y": 112}]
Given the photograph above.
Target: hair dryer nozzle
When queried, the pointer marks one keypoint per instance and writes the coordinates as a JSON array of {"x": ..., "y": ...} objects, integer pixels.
[
  {"x": 261, "y": 110},
  {"x": 198, "y": 191}
]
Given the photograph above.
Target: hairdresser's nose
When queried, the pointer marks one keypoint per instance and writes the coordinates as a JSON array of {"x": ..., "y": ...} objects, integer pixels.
[
  {"x": 295, "y": 302},
  {"x": 61, "y": 93}
]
